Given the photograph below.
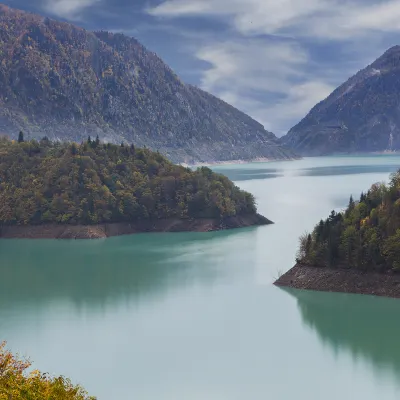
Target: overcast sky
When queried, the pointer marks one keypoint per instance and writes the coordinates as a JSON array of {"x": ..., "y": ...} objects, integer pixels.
[{"x": 273, "y": 59}]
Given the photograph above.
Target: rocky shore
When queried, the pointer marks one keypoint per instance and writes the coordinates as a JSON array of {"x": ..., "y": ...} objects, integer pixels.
[
  {"x": 53, "y": 231},
  {"x": 341, "y": 280}
]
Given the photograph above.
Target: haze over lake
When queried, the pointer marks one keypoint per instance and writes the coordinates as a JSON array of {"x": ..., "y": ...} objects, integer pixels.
[{"x": 180, "y": 316}]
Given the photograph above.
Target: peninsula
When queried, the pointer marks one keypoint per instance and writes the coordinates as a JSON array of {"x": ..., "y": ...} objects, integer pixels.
[
  {"x": 355, "y": 251},
  {"x": 94, "y": 190}
]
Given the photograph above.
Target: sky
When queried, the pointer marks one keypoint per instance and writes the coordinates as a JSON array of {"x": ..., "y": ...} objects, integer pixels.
[{"x": 273, "y": 59}]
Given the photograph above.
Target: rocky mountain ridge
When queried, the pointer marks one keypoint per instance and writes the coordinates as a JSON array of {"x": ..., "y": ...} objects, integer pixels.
[
  {"x": 64, "y": 82},
  {"x": 362, "y": 115}
]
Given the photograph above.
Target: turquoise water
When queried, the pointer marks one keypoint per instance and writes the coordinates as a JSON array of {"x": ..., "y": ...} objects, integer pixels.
[{"x": 195, "y": 316}]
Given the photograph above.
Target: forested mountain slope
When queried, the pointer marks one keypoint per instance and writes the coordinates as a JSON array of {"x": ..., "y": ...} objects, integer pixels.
[{"x": 62, "y": 81}]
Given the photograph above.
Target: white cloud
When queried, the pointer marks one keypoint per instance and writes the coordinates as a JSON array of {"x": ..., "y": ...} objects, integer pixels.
[
  {"x": 252, "y": 64},
  {"x": 265, "y": 79},
  {"x": 69, "y": 9},
  {"x": 298, "y": 102},
  {"x": 277, "y": 81},
  {"x": 335, "y": 19}
]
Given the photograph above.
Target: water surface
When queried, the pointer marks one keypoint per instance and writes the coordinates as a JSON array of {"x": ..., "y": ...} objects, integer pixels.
[{"x": 195, "y": 316}]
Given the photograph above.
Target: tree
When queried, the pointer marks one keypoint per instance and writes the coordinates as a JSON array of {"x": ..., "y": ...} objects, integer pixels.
[
  {"x": 365, "y": 236},
  {"x": 351, "y": 205},
  {"x": 16, "y": 383},
  {"x": 21, "y": 137},
  {"x": 74, "y": 149},
  {"x": 308, "y": 243},
  {"x": 86, "y": 184},
  {"x": 391, "y": 251}
]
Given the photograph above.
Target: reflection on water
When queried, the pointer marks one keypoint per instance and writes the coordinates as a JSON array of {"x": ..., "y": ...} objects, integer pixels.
[
  {"x": 347, "y": 170},
  {"x": 366, "y": 326},
  {"x": 93, "y": 272},
  {"x": 240, "y": 174}
]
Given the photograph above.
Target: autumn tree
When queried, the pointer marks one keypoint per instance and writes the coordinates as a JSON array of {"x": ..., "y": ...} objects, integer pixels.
[{"x": 16, "y": 383}]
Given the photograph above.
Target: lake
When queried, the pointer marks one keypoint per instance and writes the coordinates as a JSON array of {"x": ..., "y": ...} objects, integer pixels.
[{"x": 195, "y": 316}]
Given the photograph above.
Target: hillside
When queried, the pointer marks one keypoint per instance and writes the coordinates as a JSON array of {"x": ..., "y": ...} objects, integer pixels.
[
  {"x": 44, "y": 183},
  {"x": 356, "y": 251},
  {"x": 64, "y": 82},
  {"x": 362, "y": 115},
  {"x": 365, "y": 236}
]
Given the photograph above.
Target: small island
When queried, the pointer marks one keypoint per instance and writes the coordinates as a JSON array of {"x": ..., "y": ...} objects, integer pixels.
[
  {"x": 355, "y": 251},
  {"x": 96, "y": 190}
]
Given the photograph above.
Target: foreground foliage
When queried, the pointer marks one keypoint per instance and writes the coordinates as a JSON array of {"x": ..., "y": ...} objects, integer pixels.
[
  {"x": 45, "y": 182},
  {"x": 365, "y": 236},
  {"x": 17, "y": 384}
]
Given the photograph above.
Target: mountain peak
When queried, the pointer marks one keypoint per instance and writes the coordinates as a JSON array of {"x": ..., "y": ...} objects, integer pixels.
[
  {"x": 64, "y": 82},
  {"x": 362, "y": 115}
]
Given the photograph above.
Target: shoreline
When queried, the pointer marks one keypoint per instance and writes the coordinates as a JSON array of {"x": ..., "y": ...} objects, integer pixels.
[
  {"x": 325, "y": 279},
  {"x": 234, "y": 162},
  {"x": 54, "y": 231}
]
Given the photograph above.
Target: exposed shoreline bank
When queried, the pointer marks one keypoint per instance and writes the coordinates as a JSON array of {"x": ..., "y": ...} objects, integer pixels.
[
  {"x": 233, "y": 162},
  {"x": 341, "y": 281},
  {"x": 53, "y": 231}
]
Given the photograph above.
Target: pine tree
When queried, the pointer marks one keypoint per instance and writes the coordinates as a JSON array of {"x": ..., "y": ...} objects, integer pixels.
[
  {"x": 21, "y": 137},
  {"x": 74, "y": 149},
  {"x": 351, "y": 203},
  {"x": 308, "y": 244}
]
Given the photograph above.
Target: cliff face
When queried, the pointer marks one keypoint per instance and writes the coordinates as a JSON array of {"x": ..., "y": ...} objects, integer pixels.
[
  {"x": 59, "y": 80},
  {"x": 362, "y": 115}
]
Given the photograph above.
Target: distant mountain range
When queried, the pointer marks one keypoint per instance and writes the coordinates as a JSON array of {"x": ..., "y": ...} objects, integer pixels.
[
  {"x": 362, "y": 115},
  {"x": 64, "y": 82}
]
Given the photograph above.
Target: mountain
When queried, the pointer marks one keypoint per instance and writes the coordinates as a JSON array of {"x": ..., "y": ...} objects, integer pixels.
[
  {"x": 64, "y": 82},
  {"x": 362, "y": 115}
]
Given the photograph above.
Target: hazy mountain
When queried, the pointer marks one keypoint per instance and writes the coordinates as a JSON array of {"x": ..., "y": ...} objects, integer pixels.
[
  {"x": 362, "y": 115},
  {"x": 62, "y": 81}
]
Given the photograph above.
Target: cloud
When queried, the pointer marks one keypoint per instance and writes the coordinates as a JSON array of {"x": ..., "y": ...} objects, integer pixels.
[
  {"x": 68, "y": 9},
  {"x": 334, "y": 19},
  {"x": 254, "y": 65},
  {"x": 265, "y": 78},
  {"x": 282, "y": 57}
]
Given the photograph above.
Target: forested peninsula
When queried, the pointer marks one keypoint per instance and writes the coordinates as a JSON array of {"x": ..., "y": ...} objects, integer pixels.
[
  {"x": 94, "y": 189},
  {"x": 355, "y": 251}
]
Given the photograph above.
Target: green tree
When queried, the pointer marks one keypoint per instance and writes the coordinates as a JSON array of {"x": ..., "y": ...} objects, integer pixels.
[
  {"x": 88, "y": 184},
  {"x": 74, "y": 149},
  {"x": 20, "y": 137}
]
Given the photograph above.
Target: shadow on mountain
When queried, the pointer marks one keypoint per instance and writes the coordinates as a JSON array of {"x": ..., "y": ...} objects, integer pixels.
[
  {"x": 347, "y": 170},
  {"x": 241, "y": 174},
  {"x": 103, "y": 271},
  {"x": 366, "y": 326}
]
